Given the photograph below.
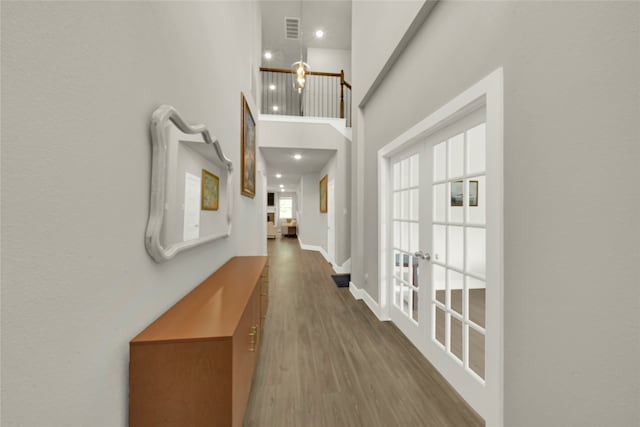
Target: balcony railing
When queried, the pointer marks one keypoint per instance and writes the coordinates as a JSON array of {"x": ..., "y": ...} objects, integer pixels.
[{"x": 324, "y": 94}]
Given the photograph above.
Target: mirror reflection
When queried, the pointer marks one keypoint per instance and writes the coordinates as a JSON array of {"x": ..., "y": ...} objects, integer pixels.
[{"x": 196, "y": 190}]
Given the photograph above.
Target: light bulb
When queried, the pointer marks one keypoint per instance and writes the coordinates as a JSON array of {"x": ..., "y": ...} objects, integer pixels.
[
  {"x": 275, "y": 108},
  {"x": 278, "y": 175},
  {"x": 297, "y": 156},
  {"x": 319, "y": 34},
  {"x": 267, "y": 55},
  {"x": 272, "y": 87}
]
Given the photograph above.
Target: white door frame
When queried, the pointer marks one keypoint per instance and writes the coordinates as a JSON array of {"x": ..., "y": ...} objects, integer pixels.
[{"x": 488, "y": 92}]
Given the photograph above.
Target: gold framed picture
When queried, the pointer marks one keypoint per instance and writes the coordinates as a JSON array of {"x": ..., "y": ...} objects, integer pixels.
[
  {"x": 323, "y": 194},
  {"x": 210, "y": 195},
  {"x": 473, "y": 193},
  {"x": 457, "y": 193},
  {"x": 248, "y": 155}
]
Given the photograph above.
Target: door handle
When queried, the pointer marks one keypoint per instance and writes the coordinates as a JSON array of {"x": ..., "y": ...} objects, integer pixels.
[
  {"x": 423, "y": 255},
  {"x": 253, "y": 337}
]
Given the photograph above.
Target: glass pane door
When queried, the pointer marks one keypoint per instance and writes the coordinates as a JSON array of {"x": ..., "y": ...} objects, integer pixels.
[
  {"x": 405, "y": 200},
  {"x": 459, "y": 247}
]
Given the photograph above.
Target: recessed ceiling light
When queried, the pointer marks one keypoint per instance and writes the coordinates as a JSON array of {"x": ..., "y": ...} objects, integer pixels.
[
  {"x": 272, "y": 87},
  {"x": 267, "y": 55},
  {"x": 319, "y": 34},
  {"x": 297, "y": 156},
  {"x": 275, "y": 108},
  {"x": 282, "y": 189},
  {"x": 278, "y": 175},
  {"x": 281, "y": 185}
]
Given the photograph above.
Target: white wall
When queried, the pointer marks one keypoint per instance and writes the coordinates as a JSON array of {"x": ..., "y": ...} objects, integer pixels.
[
  {"x": 321, "y": 136},
  {"x": 330, "y": 60},
  {"x": 258, "y": 246},
  {"x": 571, "y": 149},
  {"x": 312, "y": 224},
  {"x": 377, "y": 27},
  {"x": 79, "y": 83},
  {"x": 330, "y": 170}
]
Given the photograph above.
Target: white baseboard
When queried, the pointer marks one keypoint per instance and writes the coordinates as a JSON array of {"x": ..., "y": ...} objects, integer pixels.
[
  {"x": 340, "y": 269},
  {"x": 316, "y": 248},
  {"x": 355, "y": 291},
  {"x": 344, "y": 268},
  {"x": 371, "y": 303},
  {"x": 309, "y": 247}
]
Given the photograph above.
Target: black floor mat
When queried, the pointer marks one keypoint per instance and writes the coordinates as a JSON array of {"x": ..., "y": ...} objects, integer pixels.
[{"x": 342, "y": 280}]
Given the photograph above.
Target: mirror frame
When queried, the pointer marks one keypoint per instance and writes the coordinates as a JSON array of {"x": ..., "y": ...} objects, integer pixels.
[{"x": 160, "y": 120}]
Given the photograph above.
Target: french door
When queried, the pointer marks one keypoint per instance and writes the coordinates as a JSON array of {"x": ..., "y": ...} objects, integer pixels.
[
  {"x": 437, "y": 201},
  {"x": 407, "y": 287}
]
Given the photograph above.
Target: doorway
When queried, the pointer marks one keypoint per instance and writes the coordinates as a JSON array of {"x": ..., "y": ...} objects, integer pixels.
[{"x": 441, "y": 242}]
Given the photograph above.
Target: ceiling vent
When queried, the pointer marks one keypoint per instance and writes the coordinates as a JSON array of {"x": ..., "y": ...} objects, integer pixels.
[{"x": 291, "y": 28}]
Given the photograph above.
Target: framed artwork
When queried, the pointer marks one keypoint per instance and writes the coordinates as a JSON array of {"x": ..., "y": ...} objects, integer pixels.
[
  {"x": 457, "y": 193},
  {"x": 323, "y": 194},
  {"x": 248, "y": 157},
  {"x": 473, "y": 193},
  {"x": 210, "y": 194}
]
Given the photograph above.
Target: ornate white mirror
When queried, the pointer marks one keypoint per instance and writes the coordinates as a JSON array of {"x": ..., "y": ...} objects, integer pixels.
[{"x": 191, "y": 187}]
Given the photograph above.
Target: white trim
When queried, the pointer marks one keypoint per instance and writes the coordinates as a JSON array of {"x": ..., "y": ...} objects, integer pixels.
[
  {"x": 405, "y": 41},
  {"x": 338, "y": 124},
  {"x": 344, "y": 268},
  {"x": 316, "y": 248},
  {"x": 384, "y": 233},
  {"x": 160, "y": 122},
  {"x": 355, "y": 291},
  {"x": 306, "y": 247},
  {"x": 339, "y": 269},
  {"x": 361, "y": 294},
  {"x": 487, "y": 400}
]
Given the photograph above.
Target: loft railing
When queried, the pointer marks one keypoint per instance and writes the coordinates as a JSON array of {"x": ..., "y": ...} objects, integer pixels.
[{"x": 324, "y": 94}]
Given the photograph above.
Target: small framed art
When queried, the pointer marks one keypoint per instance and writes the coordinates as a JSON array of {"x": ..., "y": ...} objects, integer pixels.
[
  {"x": 323, "y": 194},
  {"x": 210, "y": 194}
]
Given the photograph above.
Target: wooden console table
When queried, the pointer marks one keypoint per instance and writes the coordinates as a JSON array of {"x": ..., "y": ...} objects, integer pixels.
[{"x": 194, "y": 365}]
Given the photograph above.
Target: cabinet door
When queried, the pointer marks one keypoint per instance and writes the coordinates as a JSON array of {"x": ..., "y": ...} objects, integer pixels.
[
  {"x": 246, "y": 341},
  {"x": 264, "y": 296},
  {"x": 180, "y": 384}
]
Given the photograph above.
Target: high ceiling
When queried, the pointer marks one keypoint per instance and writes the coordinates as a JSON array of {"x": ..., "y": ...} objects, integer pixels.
[
  {"x": 281, "y": 160},
  {"x": 332, "y": 17}
]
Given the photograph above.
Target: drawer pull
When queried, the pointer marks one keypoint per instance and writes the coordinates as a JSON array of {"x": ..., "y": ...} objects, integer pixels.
[{"x": 253, "y": 338}]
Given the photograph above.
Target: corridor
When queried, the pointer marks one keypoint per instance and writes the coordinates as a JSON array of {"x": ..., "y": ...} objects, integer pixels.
[{"x": 327, "y": 361}]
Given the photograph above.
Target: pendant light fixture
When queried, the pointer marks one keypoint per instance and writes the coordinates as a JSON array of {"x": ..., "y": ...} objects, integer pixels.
[{"x": 300, "y": 68}]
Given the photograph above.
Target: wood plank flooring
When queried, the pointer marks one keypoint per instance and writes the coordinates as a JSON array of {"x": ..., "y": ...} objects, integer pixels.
[{"x": 327, "y": 361}]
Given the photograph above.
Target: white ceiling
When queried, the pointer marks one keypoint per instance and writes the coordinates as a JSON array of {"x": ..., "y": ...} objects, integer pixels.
[
  {"x": 280, "y": 160},
  {"x": 333, "y": 17}
]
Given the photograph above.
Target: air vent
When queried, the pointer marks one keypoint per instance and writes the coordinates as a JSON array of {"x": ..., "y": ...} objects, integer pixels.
[{"x": 291, "y": 28}]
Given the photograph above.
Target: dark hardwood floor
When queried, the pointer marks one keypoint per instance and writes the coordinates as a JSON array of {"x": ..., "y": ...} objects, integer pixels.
[{"x": 327, "y": 361}]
